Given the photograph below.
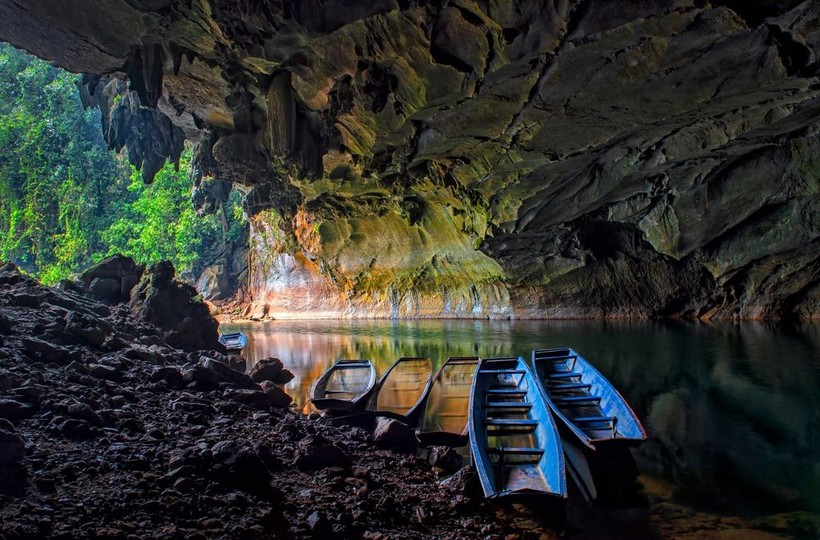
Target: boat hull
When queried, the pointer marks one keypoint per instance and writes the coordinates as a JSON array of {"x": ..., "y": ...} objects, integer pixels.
[
  {"x": 447, "y": 405},
  {"x": 514, "y": 441},
  {"x": 584, "y": 401},
  {"x": 345, "y": 386},
  {"x": 401, "y": 392},
  {"x": 233, "y": 342}
]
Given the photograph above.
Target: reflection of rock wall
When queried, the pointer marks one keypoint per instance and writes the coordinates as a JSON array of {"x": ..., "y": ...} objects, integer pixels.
[{"x": 597, "y": 157}]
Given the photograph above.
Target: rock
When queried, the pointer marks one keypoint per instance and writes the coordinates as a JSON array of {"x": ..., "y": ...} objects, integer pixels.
[
  {"x": 115, "y": 267},
  {"x": 284, "y": 377},
  {"x": 319, "y": 526},
  {"x": 12, "y": 448},
  {"x": 171, "y": 375},
  {"x": 445, "y": 458},
  {"x": 241, "y": 467},
  {"x": 392, "y": 433},
  {"x": 279, "y": 398},
  {"x": 104, "y": 372},
  {"x": 266, "y": 369},
  {"x": 13, "y": 483},
  {"x": 93, "y": 332},
  {"x": 254, "y": 398},
  {"x": 6, "y": 325},
  {"x": 46, "y": 351},
  {"x": 5, "y": 382},
  {"x": 78, "y": 429},
  {"x": 14, "y": 411},
  {"x": 215, "y": 283},
  {"x": 84, "y": 412},
  {"x": 175, "y": 308},
  {"x": 106, "y": 288},
  {"x": 202, "y": 377},
  {"x": 226, "y": 374},
  {"x": 237, "y": 363},
  {"x": 464, "y": 483},
  {"x": 316, "y": 452}
]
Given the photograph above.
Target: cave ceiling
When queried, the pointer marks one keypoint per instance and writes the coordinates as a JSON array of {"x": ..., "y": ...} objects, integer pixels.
[{"x": 591, "y": 157}]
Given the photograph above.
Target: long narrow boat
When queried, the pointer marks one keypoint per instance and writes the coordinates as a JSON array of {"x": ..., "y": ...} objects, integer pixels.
[
  {"x": 234, "y": 341},
  {"x": 584, "y": 400},
  {"x": 401, "y": 391},
  {"x": 513, "y": 439},
  {"x": 447, "y": 405},
  {"x": 345, "y": 386}
]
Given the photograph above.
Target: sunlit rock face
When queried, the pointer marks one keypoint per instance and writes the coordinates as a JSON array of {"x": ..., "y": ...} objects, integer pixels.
[{"x": 481, "y": 158}]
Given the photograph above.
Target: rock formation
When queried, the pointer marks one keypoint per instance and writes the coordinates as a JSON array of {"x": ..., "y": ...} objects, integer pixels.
[{"x": 478, "y": 158}]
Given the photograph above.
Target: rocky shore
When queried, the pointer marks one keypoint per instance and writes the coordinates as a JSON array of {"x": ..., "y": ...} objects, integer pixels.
[{"x": 107, "y": 431}]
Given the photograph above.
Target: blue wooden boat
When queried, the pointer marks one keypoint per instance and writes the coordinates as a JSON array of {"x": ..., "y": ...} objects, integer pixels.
[
  {"x": 401, "y": 391},
  {"x": 513, "y": 438},
  {"x": 584, "y": 400},
  {"x": 447, "y": 404},
  {"x": 234, "y": 341},
  {"x": 345, "y": 386}
]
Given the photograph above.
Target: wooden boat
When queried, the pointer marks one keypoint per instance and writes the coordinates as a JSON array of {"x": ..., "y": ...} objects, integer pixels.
[
  {"x": 447, "y": 405},
  {"x": 234, "y": 342},
  {"x": 401, "y": 391},
  {"x": 513, "y": 439},
  {"x": 584, "y": 400},
  {"x": 345, "y": 386}
]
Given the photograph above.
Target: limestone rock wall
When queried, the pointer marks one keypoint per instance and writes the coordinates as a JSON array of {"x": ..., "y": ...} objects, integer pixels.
[{"x": 569, "y": 158}]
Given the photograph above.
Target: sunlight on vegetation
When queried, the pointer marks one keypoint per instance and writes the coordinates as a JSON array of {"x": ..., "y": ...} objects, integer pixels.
[{"x": 67, "y": 202}]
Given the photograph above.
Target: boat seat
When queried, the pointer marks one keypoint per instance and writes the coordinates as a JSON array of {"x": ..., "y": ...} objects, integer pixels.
[
  {"x": 340, "y": 392},
  {"x": 569, "y": 400},
  {"x": 509, "y": 405},
  {"x": 571, "y": 386},
  {"x": 516, "y": 450},
  {"x": 510, "y": 422},
  {"x": 563, "y": 375},
  {"x": 506, "y": 392},
  {"x": 503, "y": 371},
  {"x": 556, "y": 358},
  {"x": 593, "y": 419}
]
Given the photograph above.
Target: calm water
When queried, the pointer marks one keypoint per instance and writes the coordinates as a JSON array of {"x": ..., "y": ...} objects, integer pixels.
[{"x": 733, "y": 411}]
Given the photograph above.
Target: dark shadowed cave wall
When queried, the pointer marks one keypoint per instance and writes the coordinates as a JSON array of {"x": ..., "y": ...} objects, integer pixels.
[{"x": 477, "y": 158}]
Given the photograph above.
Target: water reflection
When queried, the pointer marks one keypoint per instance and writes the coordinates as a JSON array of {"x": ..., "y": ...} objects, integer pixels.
[{"x": 733, "y": 411}]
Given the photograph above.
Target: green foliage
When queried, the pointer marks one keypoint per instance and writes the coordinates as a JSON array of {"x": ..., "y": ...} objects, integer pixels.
[
  {"x": 67, "y": 202},
  {"x": 159, "y": 222}
]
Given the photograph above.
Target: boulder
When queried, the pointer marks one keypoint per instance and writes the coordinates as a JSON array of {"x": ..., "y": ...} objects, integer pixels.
[
  {"x": 279, "y": 398},
  {"x": 316, "y": 452},
  {"x": 106, "y": 288},
  {"x": 175, "y": 308},
  {"x": 225, "y": 373},
  {"x": 171, "y": 375},
  {"x": 93, "y": 332},
  {"x": 391, "y": 433},
  {"x": 267, "y": 369},
  {"x": 201, "y": 378},
  {"x": 12, "y": 448},
  {"x": 445, "y": 458},
  {"x": 14, "y": 410},
  {"x": 115, "y": 267},
  {"x": 113, "y": 278},
  {"x": 255, "y": 398}
]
